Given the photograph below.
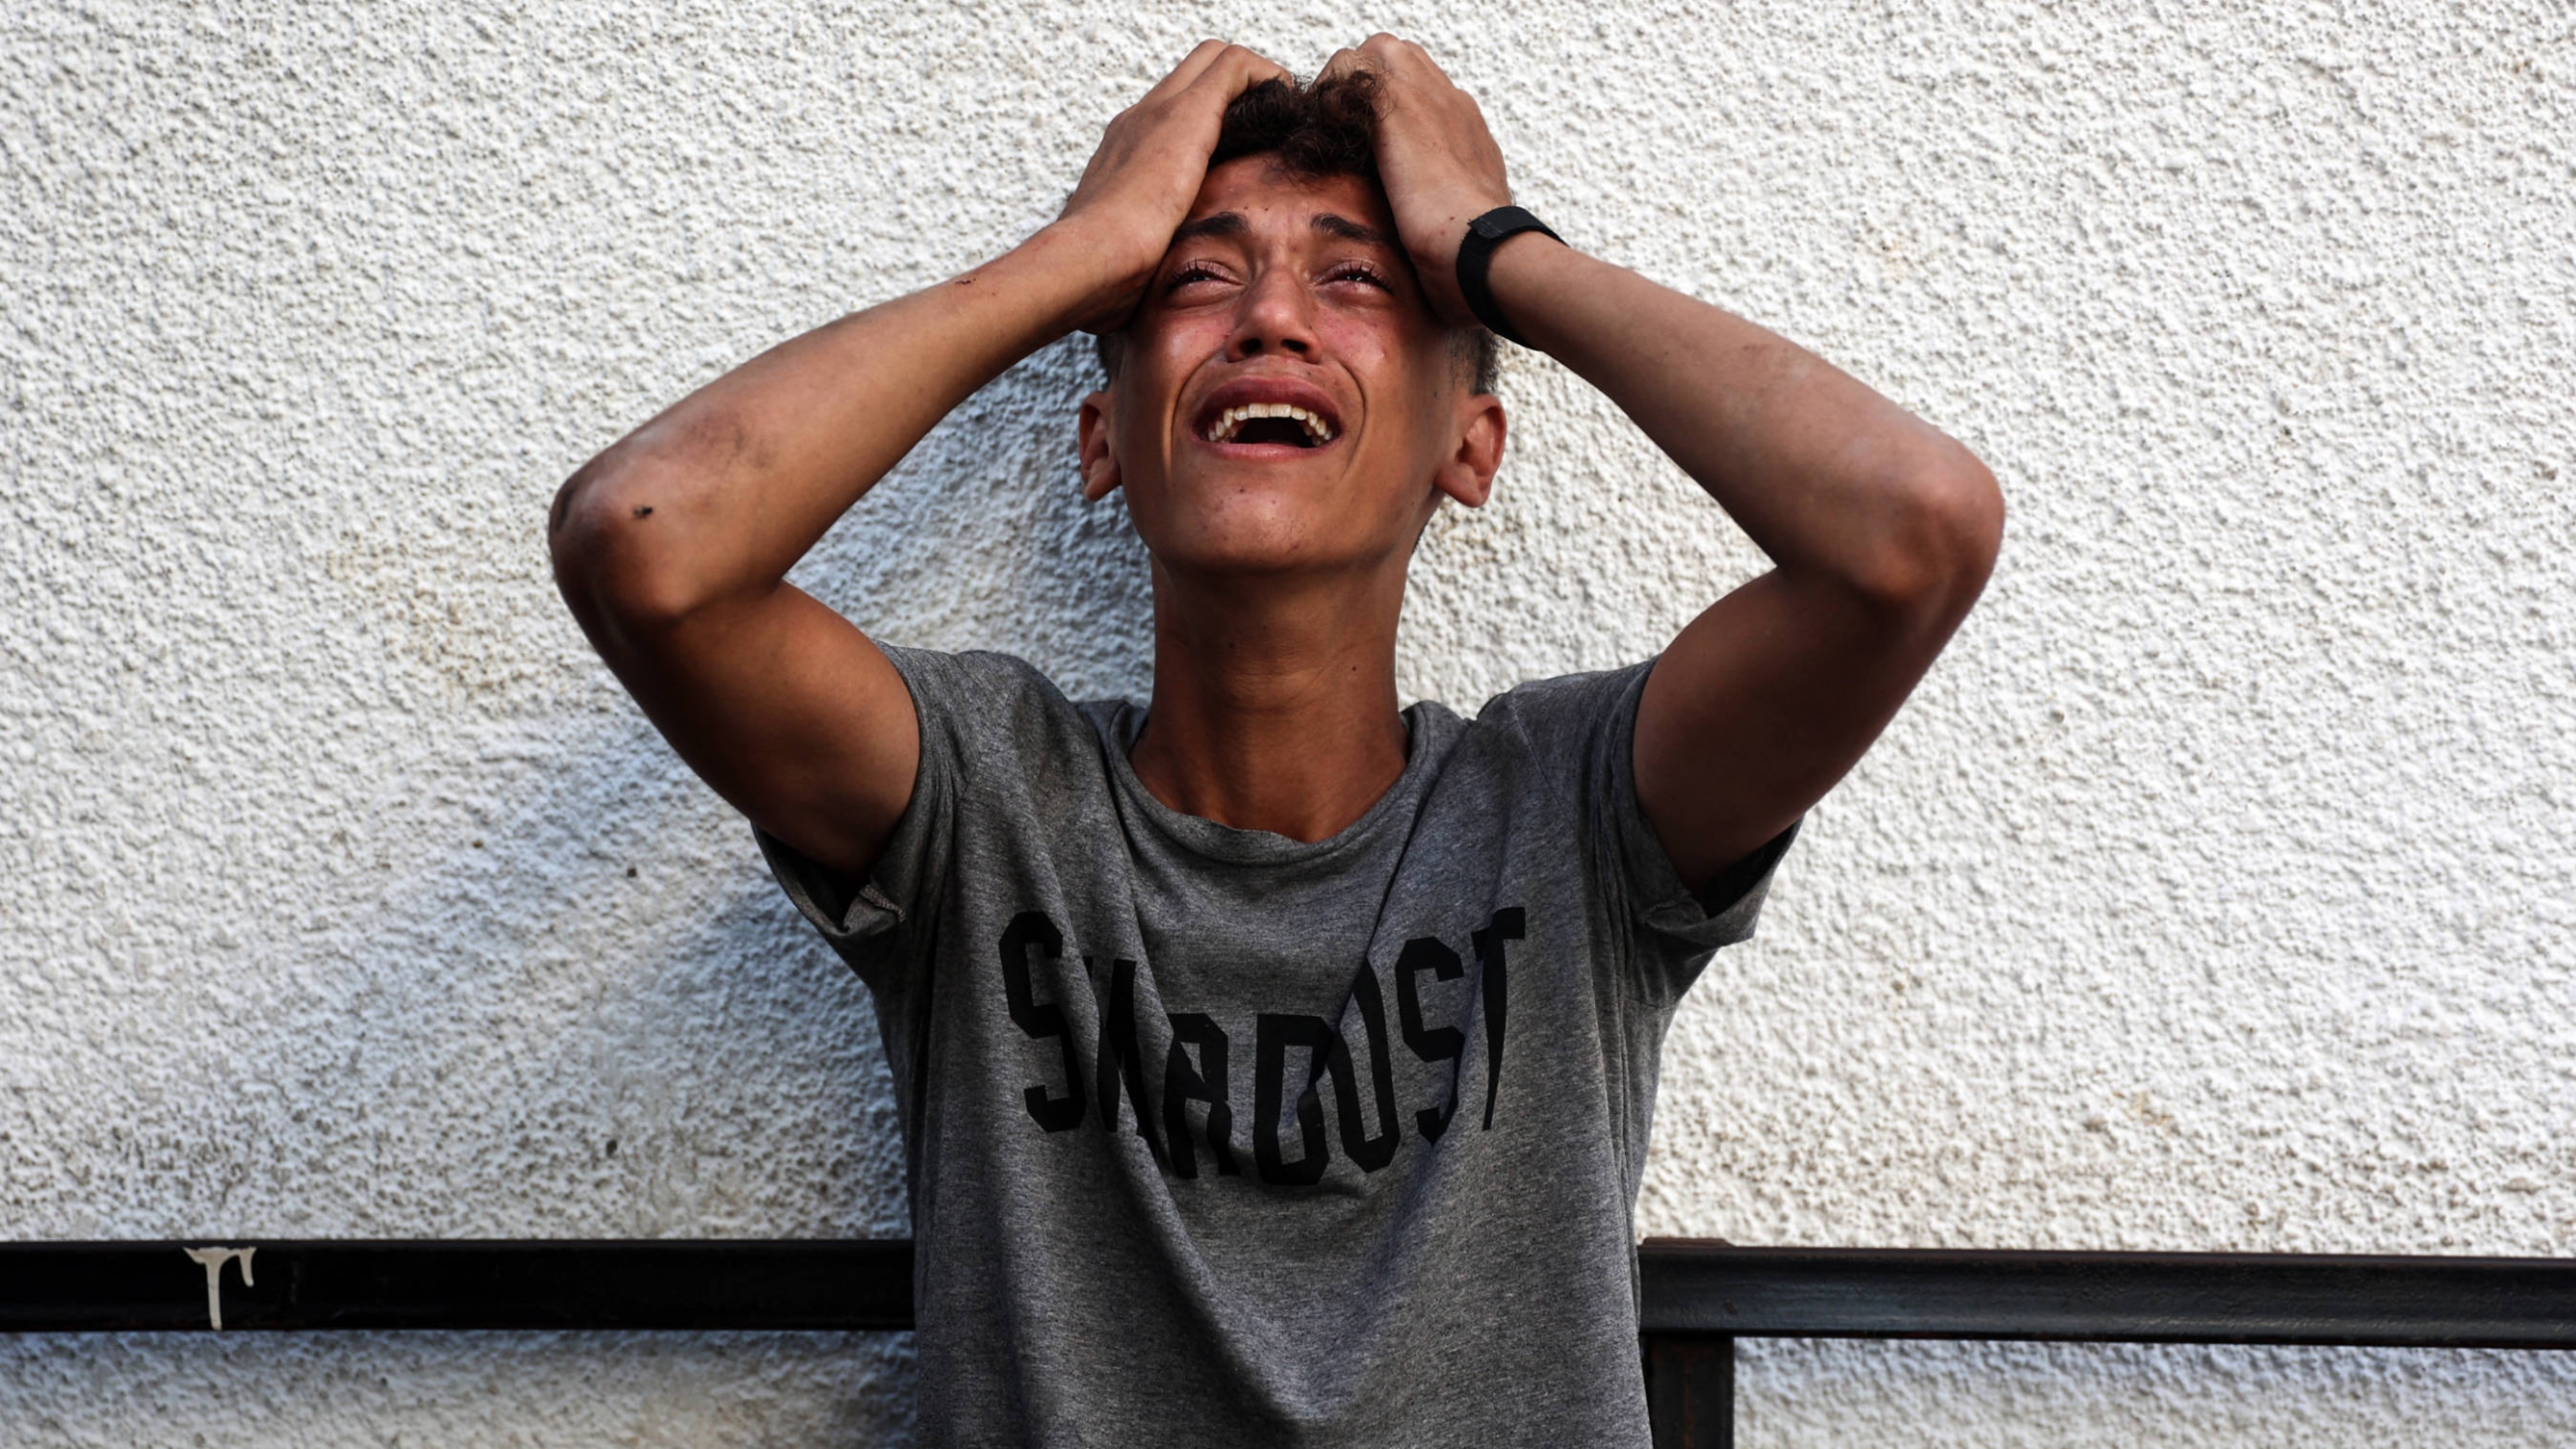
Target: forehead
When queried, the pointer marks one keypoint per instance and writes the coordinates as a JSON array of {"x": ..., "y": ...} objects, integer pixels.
[{"x": 1254, "y": 188}]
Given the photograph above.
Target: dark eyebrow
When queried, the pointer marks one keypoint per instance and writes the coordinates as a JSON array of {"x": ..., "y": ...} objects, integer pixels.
[
  {"x": 1349, "y": 230},
  {"x": 1223, "y": 223}
]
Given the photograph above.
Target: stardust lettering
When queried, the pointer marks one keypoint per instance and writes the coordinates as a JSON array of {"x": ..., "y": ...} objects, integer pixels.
[{"x": 1171, "y": 1078}]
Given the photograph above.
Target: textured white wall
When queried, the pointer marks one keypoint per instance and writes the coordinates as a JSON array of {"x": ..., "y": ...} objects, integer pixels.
[{"x": 2214, "y": 893}]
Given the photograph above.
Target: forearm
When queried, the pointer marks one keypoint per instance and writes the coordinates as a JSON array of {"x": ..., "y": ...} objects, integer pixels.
[
  {"x": 724, "y": 491},
  {"x": 1826, "y": 476}
]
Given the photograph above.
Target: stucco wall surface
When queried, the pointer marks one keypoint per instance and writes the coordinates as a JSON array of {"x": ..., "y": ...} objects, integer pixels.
[{"x": 2213, "y": 893}]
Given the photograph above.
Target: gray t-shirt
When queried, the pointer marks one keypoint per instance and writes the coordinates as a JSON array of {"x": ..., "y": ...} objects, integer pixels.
[{"x": 1217, "y": 1137}]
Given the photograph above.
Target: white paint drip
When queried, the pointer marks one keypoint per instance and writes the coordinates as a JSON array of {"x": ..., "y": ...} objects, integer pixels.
[{"x": 213, "y": 1260}]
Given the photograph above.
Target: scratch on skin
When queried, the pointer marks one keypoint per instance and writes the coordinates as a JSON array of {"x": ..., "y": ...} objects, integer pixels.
[
  {"x": 715, "y": 441},
  {"x": 719, "y": 443},
  {"x": 572, "y": 490}
]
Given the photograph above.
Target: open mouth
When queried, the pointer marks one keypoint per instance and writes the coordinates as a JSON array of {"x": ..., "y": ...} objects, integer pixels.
[{"x": 1268, "y": 422}]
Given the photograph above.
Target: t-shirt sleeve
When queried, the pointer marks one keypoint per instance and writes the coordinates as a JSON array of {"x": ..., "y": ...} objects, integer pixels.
[
  {"x": 874, "y": 922},
  {"x": 1671, "y": 930}
]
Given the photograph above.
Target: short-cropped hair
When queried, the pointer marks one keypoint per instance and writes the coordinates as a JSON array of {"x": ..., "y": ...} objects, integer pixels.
[{"x": 1326, "y": 128}]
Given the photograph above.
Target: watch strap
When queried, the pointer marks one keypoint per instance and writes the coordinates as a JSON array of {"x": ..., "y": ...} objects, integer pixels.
[{"x": 1476, "y": 257}]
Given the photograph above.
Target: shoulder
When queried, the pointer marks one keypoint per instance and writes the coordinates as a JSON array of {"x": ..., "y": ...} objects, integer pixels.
[
  {"x": 977, "y": 683},
  {"x": 978, "y": 705},
  {"x": 1568, "y": 710},
  {"x": 980, "y": 675},
  {"x": 1563, "y": 739}
]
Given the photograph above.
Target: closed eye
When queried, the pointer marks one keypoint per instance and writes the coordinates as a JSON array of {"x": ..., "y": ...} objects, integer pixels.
[
  {"x": 1360, "y": 272},
  {"x": 1194, "y": 272}
]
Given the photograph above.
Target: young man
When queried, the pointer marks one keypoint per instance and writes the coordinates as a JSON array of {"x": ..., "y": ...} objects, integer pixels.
[{"x": 1275, "y": 1065}]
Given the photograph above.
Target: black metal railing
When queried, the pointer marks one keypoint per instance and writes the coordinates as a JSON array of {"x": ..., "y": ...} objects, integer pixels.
[{"x": 1699, "y": 1296}]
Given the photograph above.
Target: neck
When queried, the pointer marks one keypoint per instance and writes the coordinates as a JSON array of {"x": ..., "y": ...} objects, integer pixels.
[{"x": 1274, "y": 700}]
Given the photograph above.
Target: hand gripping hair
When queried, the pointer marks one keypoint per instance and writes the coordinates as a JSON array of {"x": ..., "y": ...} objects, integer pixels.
[{"x": 1326, "y": 128}]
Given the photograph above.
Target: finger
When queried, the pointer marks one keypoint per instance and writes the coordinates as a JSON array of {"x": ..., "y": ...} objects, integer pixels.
[
  {"x": 1237, "y": 70},
  {"x": 1383, "y": 48},
  {"x": 1345, "y": 61},
  {"x": 1394, "y": 53},
  {"x": 1395, "y": 62},
  {"x": 1192, "y": 66}
]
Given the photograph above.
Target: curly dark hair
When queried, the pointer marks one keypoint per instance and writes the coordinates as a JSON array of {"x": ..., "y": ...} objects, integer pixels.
[{"x": 1327, "y": 128}]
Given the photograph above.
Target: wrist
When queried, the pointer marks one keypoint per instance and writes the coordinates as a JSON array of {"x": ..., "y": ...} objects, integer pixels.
[
  {"x": 1543, "y": 285},
  {"x": 1063, "y": 266},
  {"x": 1097, "y": 269}
]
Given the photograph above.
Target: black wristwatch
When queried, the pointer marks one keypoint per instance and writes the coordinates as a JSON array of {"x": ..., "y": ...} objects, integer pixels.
[{"x": 1476, "y": 253}]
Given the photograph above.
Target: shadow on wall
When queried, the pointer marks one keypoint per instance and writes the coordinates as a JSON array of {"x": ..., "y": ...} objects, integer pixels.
[
  {"x": 591, "y": 1016},
  {"x": 981, "y": 539},
  {"x": 541, "y": 986},
  {"x": 728, "y": 1078},
  {"x": 632, "y": 1033}
]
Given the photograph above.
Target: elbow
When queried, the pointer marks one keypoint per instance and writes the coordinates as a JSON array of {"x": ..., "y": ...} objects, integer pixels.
[
  {"x": 611, "y": 534},
  {"x": 1946, "y": 526}
]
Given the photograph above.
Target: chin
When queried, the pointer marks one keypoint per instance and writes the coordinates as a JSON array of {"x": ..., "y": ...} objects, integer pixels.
[
  {"x": 1242, "y": 548},
  {"x": 1265, "y": 520},
  {"x": 1259, "y": 543}
]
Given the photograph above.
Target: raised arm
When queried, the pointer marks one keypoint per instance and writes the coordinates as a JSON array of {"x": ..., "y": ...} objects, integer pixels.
[
  {"x": 672, "y": 547},
  {"x": 1881, "y": 529}
]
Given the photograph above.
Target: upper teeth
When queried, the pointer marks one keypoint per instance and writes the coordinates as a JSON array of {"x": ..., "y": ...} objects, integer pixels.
[{"x": 1232, "y": 420}]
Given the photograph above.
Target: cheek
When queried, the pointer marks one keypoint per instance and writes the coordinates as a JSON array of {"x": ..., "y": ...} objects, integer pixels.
[
  {"x": 1365, "y": 342},
  {"x": 1399, "y": 376},
  {"x": 1147, "y": 386},
  {"x": 1178, "y": 344}
]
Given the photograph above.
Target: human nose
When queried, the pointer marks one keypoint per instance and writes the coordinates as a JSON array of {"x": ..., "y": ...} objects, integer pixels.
[{"x": 1273, "y": 315}]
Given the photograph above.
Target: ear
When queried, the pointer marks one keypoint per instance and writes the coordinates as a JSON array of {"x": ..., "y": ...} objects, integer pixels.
[
  {"x": 1467, "y": 474},
  {"x": 1099, "y": 465}
]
